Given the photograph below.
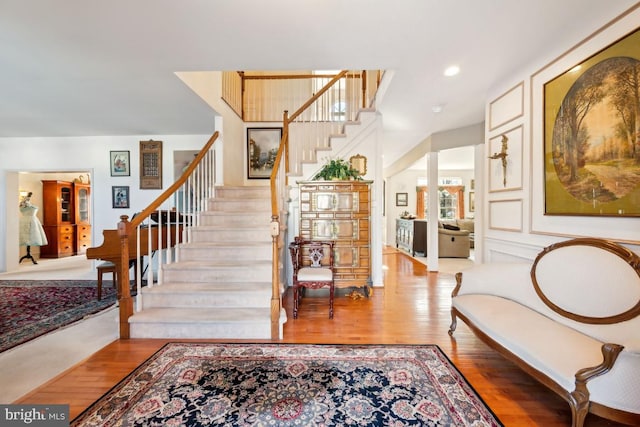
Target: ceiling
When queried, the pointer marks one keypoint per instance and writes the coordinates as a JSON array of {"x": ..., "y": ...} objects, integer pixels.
[
  {"x": 451, "y": 159},
  {"x": 89, "y": 67}
]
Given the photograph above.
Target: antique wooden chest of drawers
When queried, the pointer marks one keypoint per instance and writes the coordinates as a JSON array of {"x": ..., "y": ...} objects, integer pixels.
[{"x": 340, "y": 211}]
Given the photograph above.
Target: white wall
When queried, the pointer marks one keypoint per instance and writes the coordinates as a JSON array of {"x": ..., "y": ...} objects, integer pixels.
[
  {"x": 208, "y": 85},
  {"x": 81, "y": 154},
  {"x": 516, "y": 227}
]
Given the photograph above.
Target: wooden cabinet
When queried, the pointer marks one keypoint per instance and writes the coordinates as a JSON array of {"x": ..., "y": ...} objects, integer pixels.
[
  {"x": 411, "y": 235},
  {"x": 340, "y": 211},
  {"x": 58, "y": 219},
  {"x": 81, "y": 207},
  {"x": 66, "y": 218}
]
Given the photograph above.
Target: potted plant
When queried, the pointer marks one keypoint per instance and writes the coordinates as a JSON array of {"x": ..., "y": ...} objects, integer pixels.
[{"x": 337, "y": 169}]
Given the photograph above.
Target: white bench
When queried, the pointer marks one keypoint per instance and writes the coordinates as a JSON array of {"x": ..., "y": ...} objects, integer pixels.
[{"x": 571, "y": 320}]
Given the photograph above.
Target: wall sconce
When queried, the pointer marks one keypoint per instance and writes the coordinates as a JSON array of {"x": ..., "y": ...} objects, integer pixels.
[{"x": 502, "y": 155}]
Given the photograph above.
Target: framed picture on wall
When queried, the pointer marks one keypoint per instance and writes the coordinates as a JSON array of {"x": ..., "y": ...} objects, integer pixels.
[
  {"x": 590, "y": 135},
  {"x": 120, "y": 197},
  {"x": 119, "y": 163},
  {"x": 262, "y": 148},
  {"x": 402, "y": 199}
]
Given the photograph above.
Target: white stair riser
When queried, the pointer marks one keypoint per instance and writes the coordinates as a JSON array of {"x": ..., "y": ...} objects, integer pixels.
[
  {"x": 240, "y": 205},
  {"x": 262, "y": 192},
  {"x": 226, "y": 253},
  {"x": 235, "y": 219},
  {"x": 203, "y": 234},
  {"x": 250, "y": 273},
  {"x": 241, "y": 330},
  {"x": 208, "y": 299}
]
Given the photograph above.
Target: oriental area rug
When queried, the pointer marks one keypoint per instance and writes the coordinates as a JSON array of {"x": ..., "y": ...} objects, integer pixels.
[
  {"x": 31, "y": 308},
  {"x": 202, "y": 384}
]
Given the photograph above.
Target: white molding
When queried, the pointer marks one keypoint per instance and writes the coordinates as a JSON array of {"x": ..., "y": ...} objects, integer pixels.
[{"x": 507, "y": 107}]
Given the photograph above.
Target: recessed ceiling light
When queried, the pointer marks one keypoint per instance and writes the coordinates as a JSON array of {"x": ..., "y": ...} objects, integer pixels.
[
  {"x": 437, "y": 108},
  {"x": 452, "y": 71}
]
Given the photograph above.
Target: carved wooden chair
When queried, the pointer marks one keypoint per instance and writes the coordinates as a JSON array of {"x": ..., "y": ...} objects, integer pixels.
[{"x": 312, "y": 268}]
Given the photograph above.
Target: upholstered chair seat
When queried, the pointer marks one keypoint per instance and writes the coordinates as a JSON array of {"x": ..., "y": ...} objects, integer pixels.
[{"x": 312, "y": 262}]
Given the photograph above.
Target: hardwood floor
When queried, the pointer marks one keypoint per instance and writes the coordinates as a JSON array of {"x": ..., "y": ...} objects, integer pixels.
[{"x": 412, "y": 308}]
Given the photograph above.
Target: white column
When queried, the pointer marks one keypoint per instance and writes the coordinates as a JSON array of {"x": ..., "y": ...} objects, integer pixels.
[
  {"x": 479, "y": 216},
  {"x": 433, "y": 210}
]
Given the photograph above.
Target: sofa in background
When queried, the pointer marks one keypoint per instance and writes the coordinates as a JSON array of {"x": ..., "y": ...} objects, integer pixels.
[
  {"x": 463, "y": 224},
  {"x": 453, "y": 243}
]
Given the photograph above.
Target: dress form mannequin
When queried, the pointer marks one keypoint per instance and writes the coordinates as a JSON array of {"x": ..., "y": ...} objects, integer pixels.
[{"x": 31, "y": 231}]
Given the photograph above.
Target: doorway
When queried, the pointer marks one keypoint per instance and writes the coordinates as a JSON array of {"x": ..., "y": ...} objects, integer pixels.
[{"x": 19, "y": 185}]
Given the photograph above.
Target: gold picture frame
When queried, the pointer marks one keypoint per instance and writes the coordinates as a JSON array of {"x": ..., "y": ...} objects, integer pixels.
[
  {"x": 591, "y": 159},
  {"x": 359, "y": 163}
]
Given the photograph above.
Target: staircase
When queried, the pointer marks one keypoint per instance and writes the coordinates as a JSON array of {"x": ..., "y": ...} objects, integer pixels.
[{"x": 221, "y": 285}]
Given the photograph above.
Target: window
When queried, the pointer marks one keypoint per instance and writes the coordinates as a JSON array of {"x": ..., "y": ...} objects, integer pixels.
[
  {"x": 449, "y": 181},
  {"x": 448, "y": 204},
  {"x": 450, "y": 201}
]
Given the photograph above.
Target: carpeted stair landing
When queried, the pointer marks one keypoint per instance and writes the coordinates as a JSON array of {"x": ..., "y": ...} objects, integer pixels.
[{"x": 221, "y": 287}]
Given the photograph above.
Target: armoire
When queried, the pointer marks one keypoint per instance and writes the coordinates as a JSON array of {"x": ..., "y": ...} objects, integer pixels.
[{"x": 66, "y": 218}]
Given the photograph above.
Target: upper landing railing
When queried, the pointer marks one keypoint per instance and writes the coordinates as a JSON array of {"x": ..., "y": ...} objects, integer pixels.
[{"x": 262, "y": 96}]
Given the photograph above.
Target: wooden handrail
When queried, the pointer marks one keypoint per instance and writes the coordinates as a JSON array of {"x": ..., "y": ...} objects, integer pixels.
[
  {"x": 274, "y": 173},
  {"x": 283, "y": 149},
  {"x": 315, "y": 97},
  {"x": 352, "y": 75},
  {"x": 176, "y": 185}
]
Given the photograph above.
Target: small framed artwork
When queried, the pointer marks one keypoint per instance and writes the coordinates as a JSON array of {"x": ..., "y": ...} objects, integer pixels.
[
  {"x": 262, "y": 149},
  {"x": 402, "y": 199},
  {"x": 119, "y": 163},
  {"x": 120, "y": 197},
  {"x": 359, "y": 163}
]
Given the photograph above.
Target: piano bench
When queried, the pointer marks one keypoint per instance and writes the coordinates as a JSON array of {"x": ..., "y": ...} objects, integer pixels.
[{"x": 105, "y": 267}]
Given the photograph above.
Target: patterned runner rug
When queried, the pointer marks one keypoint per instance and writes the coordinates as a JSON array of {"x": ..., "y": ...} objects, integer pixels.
[
  {"x": 31, "y": 308},
  {"x": 197, "y": 384}
]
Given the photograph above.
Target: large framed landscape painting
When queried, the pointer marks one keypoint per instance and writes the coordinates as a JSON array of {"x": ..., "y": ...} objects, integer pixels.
[
  {"x": 592, "y": 134},
  {"x": 262, "y": 149}
]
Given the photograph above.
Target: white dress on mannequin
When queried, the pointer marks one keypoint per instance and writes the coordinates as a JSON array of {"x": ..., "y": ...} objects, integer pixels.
[{"x": 31, "y": 231}]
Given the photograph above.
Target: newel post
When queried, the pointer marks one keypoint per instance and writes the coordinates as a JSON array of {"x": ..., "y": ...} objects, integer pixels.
[
  {"x": 364, "y": 88},
  {"x": 275, "y": 280},
  {"x": 125, "y": 301}
]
